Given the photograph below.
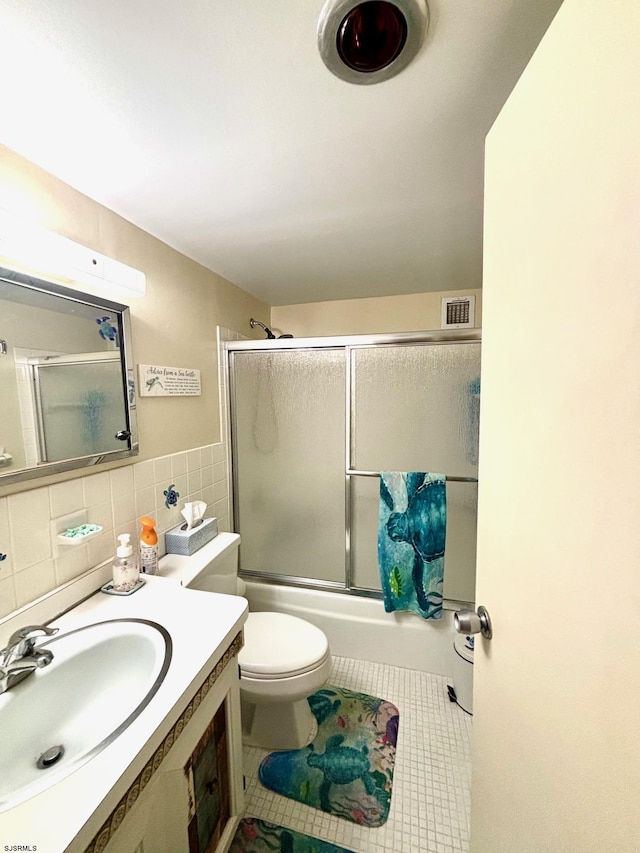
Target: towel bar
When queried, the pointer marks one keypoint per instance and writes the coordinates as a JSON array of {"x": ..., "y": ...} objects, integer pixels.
[{"x": 353, "y": 473}]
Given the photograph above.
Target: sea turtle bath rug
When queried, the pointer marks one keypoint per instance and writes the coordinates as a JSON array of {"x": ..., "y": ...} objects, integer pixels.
[
  {"x": 258, "y": 836},
  {"x": 347, "y": 770}
]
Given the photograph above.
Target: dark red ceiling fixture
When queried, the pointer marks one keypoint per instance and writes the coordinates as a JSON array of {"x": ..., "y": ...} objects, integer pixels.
[
  {"x": 371, "y": 35},
  {"x": 373, "y": 40}
]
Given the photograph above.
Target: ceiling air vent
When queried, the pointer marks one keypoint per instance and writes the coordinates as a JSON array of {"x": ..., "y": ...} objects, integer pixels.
[{"x": 458, "y": 312}]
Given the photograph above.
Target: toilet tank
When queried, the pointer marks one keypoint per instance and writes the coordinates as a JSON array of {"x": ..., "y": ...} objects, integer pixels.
[{"x": 213, "y": 568}]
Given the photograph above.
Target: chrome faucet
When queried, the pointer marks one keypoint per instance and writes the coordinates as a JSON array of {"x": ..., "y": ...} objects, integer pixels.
[{"x": 20, "y": 658}]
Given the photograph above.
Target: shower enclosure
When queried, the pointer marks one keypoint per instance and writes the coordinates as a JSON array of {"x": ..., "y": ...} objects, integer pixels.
[{"x": 313, "y": 422}]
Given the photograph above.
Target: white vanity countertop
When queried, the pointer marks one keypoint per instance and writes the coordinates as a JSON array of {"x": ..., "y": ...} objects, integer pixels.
[{"x": 201, "y": 625}]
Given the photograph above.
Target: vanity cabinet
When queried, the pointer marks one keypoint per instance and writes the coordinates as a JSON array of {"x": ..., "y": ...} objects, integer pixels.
[{"x": 190, "y": 795}]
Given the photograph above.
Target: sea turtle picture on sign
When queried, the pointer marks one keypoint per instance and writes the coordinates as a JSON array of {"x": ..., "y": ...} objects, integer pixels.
[{"x": 156, "y": 381}]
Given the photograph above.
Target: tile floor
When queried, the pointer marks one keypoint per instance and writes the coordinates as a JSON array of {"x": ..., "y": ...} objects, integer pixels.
[{"x": 430, "y": 801}]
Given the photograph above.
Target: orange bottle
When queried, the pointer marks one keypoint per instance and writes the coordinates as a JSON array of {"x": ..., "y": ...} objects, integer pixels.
[{"x": 148, "y": 546}]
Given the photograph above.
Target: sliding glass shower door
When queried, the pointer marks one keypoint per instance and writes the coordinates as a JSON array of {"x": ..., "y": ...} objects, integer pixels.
[
  {"x": 288, "y": 415},
  {"x": 314, "y": 422},
  {"x": 415, "y": 408}
]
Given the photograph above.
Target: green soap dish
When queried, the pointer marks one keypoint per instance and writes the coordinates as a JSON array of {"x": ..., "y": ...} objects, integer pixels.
[{"x": 79, "y": 535}]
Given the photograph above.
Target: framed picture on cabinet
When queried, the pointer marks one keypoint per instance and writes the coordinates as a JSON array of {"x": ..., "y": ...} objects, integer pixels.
[{"x": 207, "y": 774}]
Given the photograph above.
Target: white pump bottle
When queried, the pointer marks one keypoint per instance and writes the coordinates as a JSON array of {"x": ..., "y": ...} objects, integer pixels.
[{"x": 126, "y": 568}]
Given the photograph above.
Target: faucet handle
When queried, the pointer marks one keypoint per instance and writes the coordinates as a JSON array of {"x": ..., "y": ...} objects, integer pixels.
[{"x": 25, "y": 637}]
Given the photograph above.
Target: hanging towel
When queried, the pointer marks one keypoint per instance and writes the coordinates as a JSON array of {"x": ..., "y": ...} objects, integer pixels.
[{"x": 412, "y": 529}]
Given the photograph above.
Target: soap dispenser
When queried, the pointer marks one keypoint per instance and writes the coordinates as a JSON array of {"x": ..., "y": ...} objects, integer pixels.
[
  {"x": 148, "y": 546},
  {"x": 126, "y": 570}
]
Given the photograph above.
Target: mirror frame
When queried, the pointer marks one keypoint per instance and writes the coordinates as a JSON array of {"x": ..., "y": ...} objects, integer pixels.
[{"x": 30, "y": 282}]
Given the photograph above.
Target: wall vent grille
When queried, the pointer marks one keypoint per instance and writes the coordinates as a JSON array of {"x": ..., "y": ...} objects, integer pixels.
[{"x": 458, "y": 312}]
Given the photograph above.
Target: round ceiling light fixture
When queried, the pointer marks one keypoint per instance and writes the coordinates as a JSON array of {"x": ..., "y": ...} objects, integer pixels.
[{"x": 372, "y": 41}]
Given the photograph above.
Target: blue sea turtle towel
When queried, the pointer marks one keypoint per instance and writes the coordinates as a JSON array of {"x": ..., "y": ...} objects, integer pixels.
[{"x": 412, "y": 532}]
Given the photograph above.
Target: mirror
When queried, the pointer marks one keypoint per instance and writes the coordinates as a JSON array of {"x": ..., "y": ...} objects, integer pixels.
[{"x": 66, "y": 379}]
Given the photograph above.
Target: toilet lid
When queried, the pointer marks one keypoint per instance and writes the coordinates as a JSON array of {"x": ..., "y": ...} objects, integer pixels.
[{"x": 276, "y": 644}]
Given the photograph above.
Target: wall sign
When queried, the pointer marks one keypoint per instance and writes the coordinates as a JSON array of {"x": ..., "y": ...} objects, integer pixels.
[{"x": 158, "y": 381}]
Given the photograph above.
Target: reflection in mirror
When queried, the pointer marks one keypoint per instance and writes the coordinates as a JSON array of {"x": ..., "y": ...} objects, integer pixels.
[{"x": 66, "y": 379}]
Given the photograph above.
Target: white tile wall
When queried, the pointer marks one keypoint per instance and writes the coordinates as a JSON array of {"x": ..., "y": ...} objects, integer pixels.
[{"x": 115, "y": 499}]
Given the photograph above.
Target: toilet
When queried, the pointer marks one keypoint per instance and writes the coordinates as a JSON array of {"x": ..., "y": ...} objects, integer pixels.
[{"x": 284, "y": 658}]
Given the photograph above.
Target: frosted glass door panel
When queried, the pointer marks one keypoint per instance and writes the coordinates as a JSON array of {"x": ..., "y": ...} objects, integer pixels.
[
  {"x": 289, "y": 447},
  {"x": 364, "y": 533},
  {"x": 83, "y": 409},
  {"x": 416, "y": 408}
]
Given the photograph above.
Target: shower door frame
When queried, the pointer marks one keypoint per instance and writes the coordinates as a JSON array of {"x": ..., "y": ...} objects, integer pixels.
[{"x": 348, "y": 343}]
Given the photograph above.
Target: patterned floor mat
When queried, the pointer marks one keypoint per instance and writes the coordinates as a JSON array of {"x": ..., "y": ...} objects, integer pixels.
[
  {"x": 347, "y": 770},
  {"x": 258, "y": 836}
]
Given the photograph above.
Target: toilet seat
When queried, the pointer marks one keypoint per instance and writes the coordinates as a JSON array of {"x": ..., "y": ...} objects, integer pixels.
[
  {"x": 284, "y": 660},
  {"x": 279, "y": 646}
]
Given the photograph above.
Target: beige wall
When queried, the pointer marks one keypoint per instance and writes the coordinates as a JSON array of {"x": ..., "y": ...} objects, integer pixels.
[
  {"x": 414, "y": 312},
  {"x": 556, "y": 746},
  {"x": 174, "y": 324}
]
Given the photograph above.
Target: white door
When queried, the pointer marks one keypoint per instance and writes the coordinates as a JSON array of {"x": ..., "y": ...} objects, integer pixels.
[{"x": 557, "y": 693}]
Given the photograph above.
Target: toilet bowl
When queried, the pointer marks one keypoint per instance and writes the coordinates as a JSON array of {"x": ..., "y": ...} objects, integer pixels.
[{"x": 284, "y": 658}]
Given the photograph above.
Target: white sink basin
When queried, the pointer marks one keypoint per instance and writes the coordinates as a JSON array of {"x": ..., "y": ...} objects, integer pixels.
[{"x": 61, "y": 716}]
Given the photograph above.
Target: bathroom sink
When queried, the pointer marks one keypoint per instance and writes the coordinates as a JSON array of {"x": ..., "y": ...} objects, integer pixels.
[{"x": 61, "y": 716}]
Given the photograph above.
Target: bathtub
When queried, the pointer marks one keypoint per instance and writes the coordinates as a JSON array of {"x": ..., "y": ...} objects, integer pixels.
[{"x": 359, "y": 627}]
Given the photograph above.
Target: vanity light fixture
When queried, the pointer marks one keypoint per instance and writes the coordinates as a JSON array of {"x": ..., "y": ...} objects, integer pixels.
[
  {"x": 35, "y": 250},
  {"x": 368, "y": 42}
]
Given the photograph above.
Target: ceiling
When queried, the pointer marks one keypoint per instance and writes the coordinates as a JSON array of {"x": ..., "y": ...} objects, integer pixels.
[{"x": 216, "y": 127}]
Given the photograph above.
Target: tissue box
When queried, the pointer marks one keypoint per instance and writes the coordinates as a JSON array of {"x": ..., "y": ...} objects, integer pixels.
[{"x": 186, "y": 542}]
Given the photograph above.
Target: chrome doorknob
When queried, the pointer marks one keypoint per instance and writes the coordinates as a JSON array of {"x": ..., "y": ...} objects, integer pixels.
[{"x": 468, "y": 622}]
